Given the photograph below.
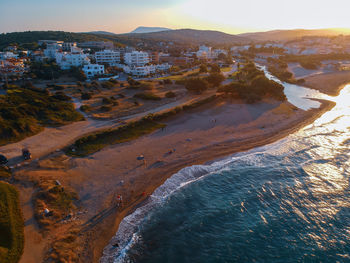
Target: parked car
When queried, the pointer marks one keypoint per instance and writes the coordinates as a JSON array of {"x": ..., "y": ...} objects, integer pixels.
[
  {"x": 26, "y": 154},
  {"x": 3, "y": 160}
]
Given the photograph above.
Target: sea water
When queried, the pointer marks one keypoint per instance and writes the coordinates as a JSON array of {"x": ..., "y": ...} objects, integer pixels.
[{"x": 285, "y": 202}]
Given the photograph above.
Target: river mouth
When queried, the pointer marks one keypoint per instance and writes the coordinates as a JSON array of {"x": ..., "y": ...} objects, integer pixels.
[
  {"x": 285, "y": 201},
  {"x": 301, "y": 97}
]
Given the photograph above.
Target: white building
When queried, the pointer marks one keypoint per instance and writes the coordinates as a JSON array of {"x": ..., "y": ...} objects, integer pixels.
[
  {"x": 136, "y": 58},
  {"x": 52, "y": 49},
  {"x": 7, "y": 55},
  {"x": 142, "y": 71},
  {"x": 67, "y": 46},
  {"x": 76, "y": 58},
  {"x": 92, "y": 70},
  {"x": 108, "y": 56}
]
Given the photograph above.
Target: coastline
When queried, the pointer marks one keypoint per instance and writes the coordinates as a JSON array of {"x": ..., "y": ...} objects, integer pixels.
[
  {"x": 206, "y": 155},
  {"x": 97, "y": 178}
]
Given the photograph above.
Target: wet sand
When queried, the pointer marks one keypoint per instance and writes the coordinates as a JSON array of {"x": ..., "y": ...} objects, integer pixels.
[{"x": 329, "y": 83}]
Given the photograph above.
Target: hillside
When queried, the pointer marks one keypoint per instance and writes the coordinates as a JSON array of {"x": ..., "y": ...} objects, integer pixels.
[
  {"x": 143, "y": 29},
  {"x": 28, "y": 37},
  {"x": 286, "y": 35},
  {"x": 100, "y": 33},
  {"x": 192, "y": 36}
]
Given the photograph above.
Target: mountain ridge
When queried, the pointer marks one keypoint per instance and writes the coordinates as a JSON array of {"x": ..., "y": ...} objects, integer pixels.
[{"x": 144, "y": 29}]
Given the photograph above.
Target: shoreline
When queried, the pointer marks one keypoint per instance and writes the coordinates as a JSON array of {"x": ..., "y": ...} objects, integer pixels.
[
  {"x": 218, "y": 152},
  {"x": 97, "y": 178}
]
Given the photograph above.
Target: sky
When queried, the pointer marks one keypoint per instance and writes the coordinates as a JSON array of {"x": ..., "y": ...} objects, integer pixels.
[{"x": 122, "y": 16}]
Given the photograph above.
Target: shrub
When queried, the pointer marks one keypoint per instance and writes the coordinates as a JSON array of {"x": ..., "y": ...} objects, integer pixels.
[
  {"x": 106, "y": 108},
  {"x": 147, "y": 96},
  {"x": 86, "y": 96},
  {"x": 61, "y": 96},
  {"x": 167, "y": 82},
  {"x": 107, "y": 101},
  {"x": 107, "y": 85},
  {"x": 85, "y": 108},
  {"x": 170, "y": 94},
  {"x": 196, "y": 85},
  {"x": 215, "y": 79}
]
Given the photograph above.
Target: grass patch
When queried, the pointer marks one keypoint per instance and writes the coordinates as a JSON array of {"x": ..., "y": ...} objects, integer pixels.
[
  {"x": 11, "y": 225},
  {"x": 95, "y": 142}
]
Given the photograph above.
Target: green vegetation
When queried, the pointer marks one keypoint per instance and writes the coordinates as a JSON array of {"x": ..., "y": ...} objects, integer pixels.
[
  {"x": 252, "y": 85},
  {"x": 28, "y": 39},
  {"x": 147, "y": 96},
  {"x": 25, "y": 110},
  {"x": 203, "y": 68},
  {"x": 196, "y": 85},
  {"x": 48, "y": 69},
  {"x": 170, "y": 94},
  {"x": 85, "y": 108},
  {"x": 57, "y": 199},
  {"x": 215, "y": 79},
  {"x": 11, "y": 225},
  {"x": 95, "y": 142},
  {"x": 92, "y": 143},
  {"x": 86, "y": 96}
]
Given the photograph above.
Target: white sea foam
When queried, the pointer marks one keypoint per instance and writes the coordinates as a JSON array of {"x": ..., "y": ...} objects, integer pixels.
[{"x": 128, "y": 232}]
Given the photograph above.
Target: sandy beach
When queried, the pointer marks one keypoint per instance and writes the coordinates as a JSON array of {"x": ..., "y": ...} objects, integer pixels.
[
  {"x": 327, "y": 81},
  {"x": 204, "y": 134}
]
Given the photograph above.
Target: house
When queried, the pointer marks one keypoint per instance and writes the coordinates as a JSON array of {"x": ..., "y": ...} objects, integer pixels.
[
  {"x": 136, "y": 58},
  {"x": 110, "y": 57},
  {"x": 92, "y": 70},
  {"x": 12, "y": 66},
  {"x": 75, "y": 58}
]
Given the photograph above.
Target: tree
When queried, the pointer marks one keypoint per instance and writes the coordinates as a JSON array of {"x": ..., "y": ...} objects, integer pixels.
[
  {"x": 196, "y": 85},
  {"x": 203, "y": 68},
  {"x": 222, "y": 56},
  {"x": 215, "y": 79},
  {"x": 214, "y": 68}
]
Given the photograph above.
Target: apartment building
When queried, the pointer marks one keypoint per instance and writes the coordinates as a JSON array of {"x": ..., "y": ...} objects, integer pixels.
[
  {"x": 136, "y": 58},
  {"x": 67, "y": 46},
  {"x": 92, "y": 70},
  {"x": 110, "y": 57},
  {"x": 76, "y": 59}
]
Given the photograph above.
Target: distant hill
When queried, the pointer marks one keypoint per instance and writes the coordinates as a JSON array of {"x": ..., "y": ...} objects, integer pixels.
[
  {"x": 144, "y": 29},
  {"x": 22, "y": 38},
  {"x": 286, "y": 35},
  {"x": 101, "y": 33},
  {"x": 191, "y": 36}
]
